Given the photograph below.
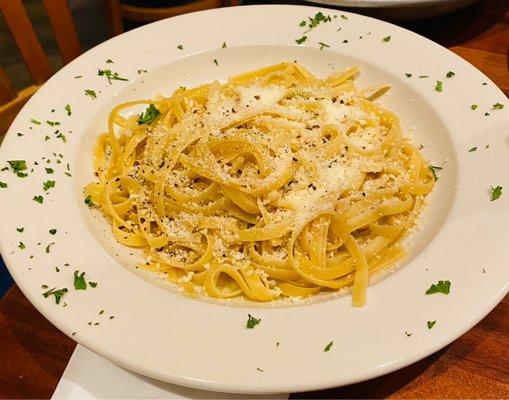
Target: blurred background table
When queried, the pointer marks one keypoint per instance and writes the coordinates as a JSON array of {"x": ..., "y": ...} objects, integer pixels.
[{"x": 34, "y": 354}]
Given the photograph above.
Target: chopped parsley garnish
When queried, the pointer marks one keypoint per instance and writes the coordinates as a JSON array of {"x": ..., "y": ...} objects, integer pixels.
[
  {"x": 223, "y": 46},
  {"x": 142, "y": 71},
  {"x": 108, "y": 74},
  {"x": 48, "y": 185},
  {"x": 109, "y": 61},
  {"x": 53, "y": 123},
  {"x": 57, "y": 293},
  {"x": 259, "y": 369},
  {"x": 431, "y": 324},
  {"x": 20, "y": 229},
  {"x": 79, "y": 281},
  {"x": 19, "y": 134},
  {"x": 48, "y": 247},
  {"x": 91, "y": 93},
  {"x": 68, "y": 109},
  {"x": 215, "y": 62},
  {"x": 94, "y": 284},
  {"x": 303, "y": 23},
  {"x": 21, "y": 245},
  {"x": 387, "y": 38},
  {"x": 450, "y": 74},
  {"x": 328, "y": 347},
  {"x": 18, "y": 165},
  {"x": 486, "y": 114},
  {"x": 252, "y": 321},
  {"x": 472, "y": 149},
  {"x": 434, "y": 170},
  {"x": 301, "y": 40},
  {"x": 49, "y": 170},
  {"x": 408, "y": 334},
  {"x": 323, "y": 45},
  {"x": 34, "y": 121},
  {"x": 423, "y": 76},
  {"x": 439, "y": 86},
  {"x": 496, "y": 192},
  {"x": 319, "y": 17},
  {"x": 78, "y": 76},
  {"x": 180, "y": 47},
  {"x": 64, "y": 139},
  {"x": 38, "y": 199},
  {"x": 52, "y": 231},
  {"x": 344, "y": 16},
  {"x": 101, "y": 312},
  {"x": 345, "y": 41},
  {"x": 474, "y": 107},
  {"x": 88, "y": 201},
  {"x": 440, "y": 287},
  {"x": 408, "y": 75},
  {"x": 150, "y": 114},
  {"x": 3, "y": 185},
  {"x": 498, "y": 106}
]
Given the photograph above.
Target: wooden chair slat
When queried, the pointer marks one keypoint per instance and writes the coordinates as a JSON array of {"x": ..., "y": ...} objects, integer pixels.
[
  {"x": 7, "y": 93},
  {"x": 115, "y": 16},
  {"x": 24, "y": 35},
  {"x": 63, "y": 28}
]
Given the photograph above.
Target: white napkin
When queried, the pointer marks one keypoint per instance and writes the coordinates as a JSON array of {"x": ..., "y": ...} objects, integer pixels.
[{"x": 89, "y": 376}]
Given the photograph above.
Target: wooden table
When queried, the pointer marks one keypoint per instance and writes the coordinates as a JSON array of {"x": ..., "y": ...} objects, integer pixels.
[{"x": 33, "y": 354}]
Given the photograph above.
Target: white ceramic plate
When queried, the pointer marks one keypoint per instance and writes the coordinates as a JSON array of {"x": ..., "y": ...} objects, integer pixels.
[
  {"x": 159, "y": 333},
  {"x": 402, "y": 9}
]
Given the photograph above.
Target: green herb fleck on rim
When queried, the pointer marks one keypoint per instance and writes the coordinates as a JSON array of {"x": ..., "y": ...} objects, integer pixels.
[
  {"x": 109, "y": 61},
  {"x": 108, "y": 74},
  {"x": 408, "y": 334},
  {"x": 91, "y": 93},
  {"x": 323, "y": 45},
  {"x": 387, "y": 38},
  {"x": 450, "y": 74},
  {"x": 473, "y": 107},
  {"x": 301, "y": 40},
  {"x": 3, "y": 185},
  {"x": 328, "y": 347},
  {"x": 79, "y": 281},
  {"x": 252, "y": 321},
  {"x": 21, "y": 245},
  {"x": 48, "y": 185},
  {"x": 17, "y": 165},
  {"x": 93, "y": 284},
  {"x": 39, "y": 199},
  {"x": 431, "y": 324},
  {"x": 34, "y": 121},
  {"x": 52, "y": 231},
  {"x": 57, "y": 293},
  {"x": 439, "y": 86},
  {"x": 53, "y": 123},
  {"x": 49, "y": 170},
  {"x": 440, "y": 287},
  {"x": 472, "y": 149},
  {"x": 48, "y": 247},
  {"x": 498, "y": 106},
  {"x": 20, "y": 230},
  {"x": 408, "y": 75},
  {"x": 434, "y": 170},
  {"x": 303, "y": 23},
  {"x": 496, "y": 192},
  {"x": 67, "y": 108},
  {"x": 180, "y": 47},
  {"x": 215, "y": 62}
]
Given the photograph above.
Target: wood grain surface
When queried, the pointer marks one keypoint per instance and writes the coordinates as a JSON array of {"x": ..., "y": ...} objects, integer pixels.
[{"x": 33, "y": 353}]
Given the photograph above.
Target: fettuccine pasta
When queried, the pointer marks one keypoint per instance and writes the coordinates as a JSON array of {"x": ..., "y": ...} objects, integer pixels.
[{"x": 273, "y": 184}]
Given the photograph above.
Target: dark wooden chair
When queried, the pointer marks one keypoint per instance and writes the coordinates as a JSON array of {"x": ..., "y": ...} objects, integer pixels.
[{"x": 32, "y": 52}]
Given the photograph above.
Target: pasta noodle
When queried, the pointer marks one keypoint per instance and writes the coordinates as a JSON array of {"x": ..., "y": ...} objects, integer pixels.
[{"x": 273, "y": 184}]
